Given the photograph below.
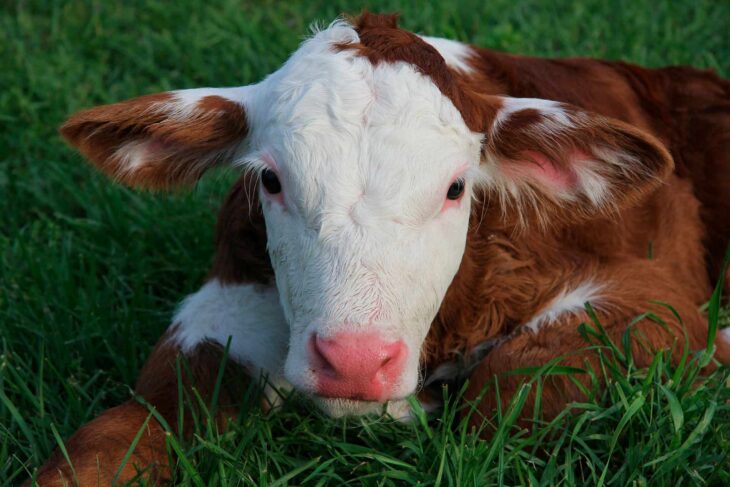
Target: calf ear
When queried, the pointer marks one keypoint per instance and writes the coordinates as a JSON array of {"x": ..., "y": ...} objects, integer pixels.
[
  {"x": 551, "y": 161},
  {"x": 162, "y": 140}
]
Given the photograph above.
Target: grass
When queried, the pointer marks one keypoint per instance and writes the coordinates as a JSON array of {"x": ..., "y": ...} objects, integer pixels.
[{"x": 90, "y": 271}]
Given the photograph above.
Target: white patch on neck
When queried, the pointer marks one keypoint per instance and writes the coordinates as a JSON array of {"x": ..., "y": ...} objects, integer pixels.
[
  {"x": 456, "y": 54},
  {"x": 566, "y": 302},
  {"x": 249, "y": 314}
]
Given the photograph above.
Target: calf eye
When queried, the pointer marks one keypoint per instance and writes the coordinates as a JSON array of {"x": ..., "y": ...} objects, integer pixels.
[
  {"x": 456, "y": 189},
  {"x": 270, "y": 181}
]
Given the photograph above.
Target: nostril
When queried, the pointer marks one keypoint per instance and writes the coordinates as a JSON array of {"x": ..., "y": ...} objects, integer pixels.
[
  {"x": 386, "y": 361},
  {"x": 391, "y": 353},
  {"x": 320, "y": 352}
]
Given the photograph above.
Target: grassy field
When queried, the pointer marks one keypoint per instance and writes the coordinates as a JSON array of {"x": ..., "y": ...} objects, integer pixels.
[{"x": 90, "y": 272}]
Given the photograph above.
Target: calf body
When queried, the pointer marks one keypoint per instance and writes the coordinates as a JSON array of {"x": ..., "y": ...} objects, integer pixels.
[{"x": 406, "y": 203}]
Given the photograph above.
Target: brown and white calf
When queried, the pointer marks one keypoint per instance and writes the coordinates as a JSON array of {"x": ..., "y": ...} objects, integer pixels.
[{"x": 405, "y": 199}]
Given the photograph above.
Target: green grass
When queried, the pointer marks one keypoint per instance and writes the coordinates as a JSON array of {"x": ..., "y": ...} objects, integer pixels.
[{"x": 90, "y": 272}]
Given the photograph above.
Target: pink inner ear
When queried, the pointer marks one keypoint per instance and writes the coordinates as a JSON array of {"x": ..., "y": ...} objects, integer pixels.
[
  {"x": 156, "y": 146},
  {"x": 541, "y": 168}
]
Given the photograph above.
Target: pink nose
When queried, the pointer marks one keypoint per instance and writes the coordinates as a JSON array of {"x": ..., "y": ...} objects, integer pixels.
[{"x": 359, "y": 366}]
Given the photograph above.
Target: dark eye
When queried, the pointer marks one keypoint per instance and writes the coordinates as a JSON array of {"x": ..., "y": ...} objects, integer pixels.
[
  {"x": 456, "y": 189},
  {"x": 270, "y": 181}
]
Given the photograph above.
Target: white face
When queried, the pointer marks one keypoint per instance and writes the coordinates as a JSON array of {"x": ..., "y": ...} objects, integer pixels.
[{"x": 362, "y": 236}]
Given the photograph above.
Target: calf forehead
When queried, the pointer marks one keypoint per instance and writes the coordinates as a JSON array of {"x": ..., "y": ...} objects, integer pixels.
[
  {"x": 347, "y": 124},
  {"x": 344, "y": 92}
]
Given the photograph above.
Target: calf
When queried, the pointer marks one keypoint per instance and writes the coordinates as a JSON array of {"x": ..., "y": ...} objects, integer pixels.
[{"x": 406, "y": 200}]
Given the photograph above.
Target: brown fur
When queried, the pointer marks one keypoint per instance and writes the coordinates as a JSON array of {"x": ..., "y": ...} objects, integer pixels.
[
  {"x": 185, "y": 148},
  {"x": 241, "y": 237},
  {"x": 508, "y": 274},
  {"x": 97, "y": 449}
]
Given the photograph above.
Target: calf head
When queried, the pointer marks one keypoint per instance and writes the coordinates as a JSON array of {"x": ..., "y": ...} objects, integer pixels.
[{"x": 369, "y": 151}]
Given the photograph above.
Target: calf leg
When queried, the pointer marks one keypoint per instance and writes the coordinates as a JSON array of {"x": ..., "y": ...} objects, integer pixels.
[
  {"x": 555, "y": 335},
  {"x": 192, "y": 349},
  {"x": 97, "y": 450}
]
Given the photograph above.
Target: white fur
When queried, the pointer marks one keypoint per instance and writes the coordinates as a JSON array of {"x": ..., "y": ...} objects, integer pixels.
[
  {"x": 551, "y": 109},
  {"x": 187, "y": 99},
  {"x": 338, "y": 408},
  {"x": 567, "y": 302},
  {"x": 249, "y": 314},
  {"x": 132, "y": 155},
  {"x": 456, "y": 54}
]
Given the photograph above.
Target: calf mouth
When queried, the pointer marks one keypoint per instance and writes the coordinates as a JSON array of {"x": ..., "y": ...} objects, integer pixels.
[{"x": 399, "y": 409}]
